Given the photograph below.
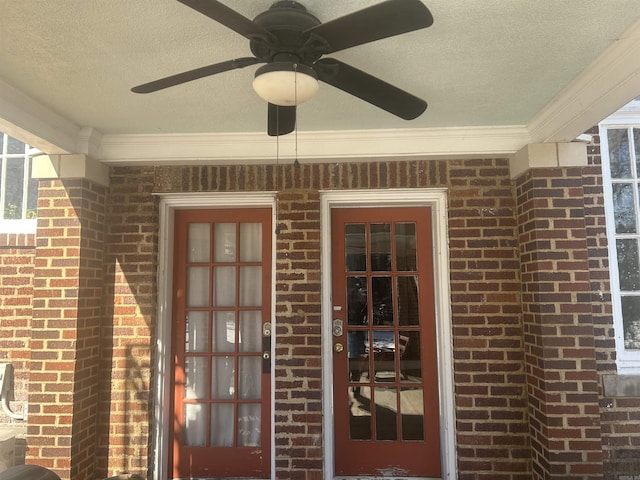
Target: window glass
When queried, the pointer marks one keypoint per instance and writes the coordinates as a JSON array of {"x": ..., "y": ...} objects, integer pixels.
[
  {"x": 621, "y": 176},
  {"x": 18, "y": 191}
]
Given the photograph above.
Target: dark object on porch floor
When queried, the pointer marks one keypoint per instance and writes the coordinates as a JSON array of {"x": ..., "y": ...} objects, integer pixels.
[{"x": 28, "y": 472}]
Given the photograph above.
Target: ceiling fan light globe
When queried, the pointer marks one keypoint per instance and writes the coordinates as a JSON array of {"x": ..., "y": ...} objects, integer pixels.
[{"x": 285, "y": 83}]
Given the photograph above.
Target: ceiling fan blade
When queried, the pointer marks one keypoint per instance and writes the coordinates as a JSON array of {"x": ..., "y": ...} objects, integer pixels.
[
  {"x": 383, "y": 20},
  {"x": 201, "y": 72},
  {"x": 281, "y": 120},
  {"x": 369, "y": 88},
  {"x": 230, "y": 18}
]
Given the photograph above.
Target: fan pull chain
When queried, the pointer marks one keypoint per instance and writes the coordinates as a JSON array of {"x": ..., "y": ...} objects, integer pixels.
[
  {"x": 296, "y": 163},
  {"x": 277, "y": 173}
]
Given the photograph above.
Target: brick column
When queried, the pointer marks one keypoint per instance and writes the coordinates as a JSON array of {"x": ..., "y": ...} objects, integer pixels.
[
  {"x": 558, "y": 325},
  {"x": 67, "y": 296}
]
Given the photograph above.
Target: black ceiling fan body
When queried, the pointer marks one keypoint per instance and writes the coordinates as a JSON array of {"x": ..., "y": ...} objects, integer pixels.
[{"x": 287, "y": 32}]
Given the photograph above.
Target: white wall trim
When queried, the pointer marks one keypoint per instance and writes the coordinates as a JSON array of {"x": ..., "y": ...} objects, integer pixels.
[
  {"x": 436, "y": 199},
  {"x": 169, "y": 203},
  {"x": 602, "y": 88},
  {"x": 352, "y": 145}
]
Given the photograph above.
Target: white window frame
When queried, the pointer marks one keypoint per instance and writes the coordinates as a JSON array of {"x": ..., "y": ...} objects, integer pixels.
[
  {"x": 22, "y": 225},
  {"x": 627, "y": 361}
]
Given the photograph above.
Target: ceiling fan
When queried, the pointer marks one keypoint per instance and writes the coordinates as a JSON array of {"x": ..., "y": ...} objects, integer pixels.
[{"x": 292, "y": 42}]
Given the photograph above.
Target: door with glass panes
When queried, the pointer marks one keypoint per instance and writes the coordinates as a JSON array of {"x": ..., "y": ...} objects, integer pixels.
[
  {"x": 386, "y": 416},
  {"x": 221, "y": 343}
]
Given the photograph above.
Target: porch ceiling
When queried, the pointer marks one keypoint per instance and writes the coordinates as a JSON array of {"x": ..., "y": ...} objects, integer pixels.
[{"x": 497, "y": 74}]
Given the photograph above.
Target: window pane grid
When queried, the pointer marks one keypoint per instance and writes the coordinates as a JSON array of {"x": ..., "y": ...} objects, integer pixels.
[
  {"x": 623, "y": 196},
  {"x": 18, "y": 192}
]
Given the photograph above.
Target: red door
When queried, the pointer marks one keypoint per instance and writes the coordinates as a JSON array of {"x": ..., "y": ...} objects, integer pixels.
[
  {"x": 221, "y": 328},
  {"x": 384, "y": 343}
]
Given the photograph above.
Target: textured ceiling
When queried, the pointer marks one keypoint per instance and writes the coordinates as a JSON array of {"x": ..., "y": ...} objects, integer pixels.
[{"x": 482, "y": 63}]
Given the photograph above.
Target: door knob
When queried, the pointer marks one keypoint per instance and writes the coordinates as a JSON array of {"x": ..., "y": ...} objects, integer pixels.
[{"x": 338, "y": 347}]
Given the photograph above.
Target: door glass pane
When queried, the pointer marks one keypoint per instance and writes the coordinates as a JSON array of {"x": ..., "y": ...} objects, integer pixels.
[
  {"x": 198, "y": 243},
  {"x": 408, "y": 313},
  {"x": 358, "y": 359},
  {"x": 624, "y": 212},
  {"x": 249, "y": 377},
  {"x": 382, "y": 300},
  {"x": 224, "y": 332},
  {"x": 224, "y": 242},
  {"x": 250, "y": 242},
  {"x": 412, "y": 411},
  {"x": 384, "y": 356},
  {"x": 250, "y": 286},
  {"x": 631, "y": 322},
  {"x": 195, "y": 423},
  {"x": 409, "y": 352},
  {"x": 197, "y": 287},
  {"x": 222, "y": 378},
  {"x": 381, "y": 247},
  {"x": 195, "y": 372},
  {"x": 405, "y": 236},
  {"x": 224, "y": 286},
  {"x": 250, "y": 331},
  {"x": 197, "y": 332},
  {"x": 619, "y": 157},
  {"x": 249, "y": 424},
  {"x": 355, "y": 247},
  {"x": 222, "y": 425},
  {"x": 357, "y": 300},
  {"x": 386, "y": 407},
  {"x": 359, "y": 413}
]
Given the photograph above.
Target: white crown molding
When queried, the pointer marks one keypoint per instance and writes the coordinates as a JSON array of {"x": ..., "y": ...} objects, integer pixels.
[
  {"x": 35, "y": 124},
  {"x": 353, "y": 145},
  {"x": 610, "y": 82}
]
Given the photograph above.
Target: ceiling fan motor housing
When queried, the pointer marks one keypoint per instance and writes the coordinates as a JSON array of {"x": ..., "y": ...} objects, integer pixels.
[{"x": 286, "y": 20}]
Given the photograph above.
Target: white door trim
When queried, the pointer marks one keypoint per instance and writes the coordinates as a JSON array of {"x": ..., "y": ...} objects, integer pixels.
[
  {"x": 169, "y": 203},
  {"x": 436, "y": 199}
]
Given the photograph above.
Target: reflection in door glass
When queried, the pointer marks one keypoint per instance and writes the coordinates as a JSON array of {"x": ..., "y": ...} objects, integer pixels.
[
  {"x": 382, "y": 300},
  {"x": 386, "y": 408},
  {"x": 408, "y": 313},
  {"x": 250, "y": 242},
  {"x": 405, "y": 236},
  {"x": 380, "y": 247},
  {"x": 409, "y": 353},
  {"x": 222, "y": 425},
  {"x": 412, "y": 411},
  {"x": 224, "y": 288},
  {"x": 249, "y": 420},
  {"x": 197, "y": 332},
  {"x": 355, "y": 247},
  {"x": 197, "y": 286},
  {"x": 195, "y": 373},
  {"x": 224, "y": 242},
  {"x": 198, "y": 242},
  {"x": 195, "y": 424},
  {"x": 357, "y": 300},
  {"x": 224, "y": 332},
  {"x": 222, "y": 378},
  {"x": 360, "y": 413}
]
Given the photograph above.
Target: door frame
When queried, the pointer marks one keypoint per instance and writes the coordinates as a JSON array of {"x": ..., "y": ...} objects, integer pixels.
[
  {"x": 436, "y": 199},
  {"x": 162, "y": 412}
]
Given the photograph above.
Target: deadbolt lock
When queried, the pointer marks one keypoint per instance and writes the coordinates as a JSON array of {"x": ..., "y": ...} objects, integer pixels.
[{"x": 337, "y": 327}]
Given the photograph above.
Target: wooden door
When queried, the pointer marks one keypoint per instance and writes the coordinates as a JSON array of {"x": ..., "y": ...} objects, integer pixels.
[
  {"x": 384, "y": 343},
  {"x": 221, "y": 344}
]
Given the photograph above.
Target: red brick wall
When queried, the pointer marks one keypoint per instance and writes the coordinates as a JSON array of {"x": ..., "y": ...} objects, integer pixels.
[
  {"x": 67, "y": 310},
  {"x": 16, "y": 290},
  {"x": 494, "y": 426},
  {"x": 491, "y": 403}
]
